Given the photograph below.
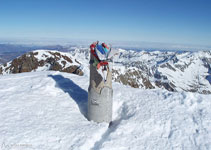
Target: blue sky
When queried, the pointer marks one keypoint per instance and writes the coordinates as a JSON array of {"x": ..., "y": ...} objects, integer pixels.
[{"x": 166, "y": 21}]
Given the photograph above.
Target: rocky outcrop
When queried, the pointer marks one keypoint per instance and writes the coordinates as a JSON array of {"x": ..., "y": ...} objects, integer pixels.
[
  {"x": 0, "y": 70},
  {"x": 1, "y": 61},
  {"x": 173, "y": 71},
  {"x": 42, "y": 60},
  {"x": 25, "y": 63},
  {"x": 133, "y": 78}
]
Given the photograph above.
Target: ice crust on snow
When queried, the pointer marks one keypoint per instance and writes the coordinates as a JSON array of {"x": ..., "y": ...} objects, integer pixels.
[{"x": 47, "y": 110}]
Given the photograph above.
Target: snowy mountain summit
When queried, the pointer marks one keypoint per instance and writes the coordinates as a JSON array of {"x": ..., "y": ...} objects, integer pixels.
[{"x": 174, "y": 71}]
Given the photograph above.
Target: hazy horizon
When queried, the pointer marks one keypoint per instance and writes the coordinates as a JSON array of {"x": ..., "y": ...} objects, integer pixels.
[{"x": 120, "y": 44}]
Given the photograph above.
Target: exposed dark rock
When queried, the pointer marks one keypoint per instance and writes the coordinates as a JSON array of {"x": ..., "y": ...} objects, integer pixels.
[
  {"x": 56, "y": 55},
  {"x": 206, "y": 92},
  {"x": 25, "y": 63},
  {"x": 167, "y": 65},
  {"x": 41, "y": 63},
  {"x": 56, "y": 67},
  {"x": 0, "y": 70},
  {"x": 73, "y": 69},
  {"x": 77, "y": 61},
  {"x": 180, "y": 67},
  {"x": 35, "y": 53},
  {"x": 50, "y": 60},
  {"x": 67, "y": 59},
  {"x": 64, "y": 63},
  {"x": 168, "y": 86},
  {"x": 147, "y": 83},
  {"x": 28, "y": 62},
  {"x": 131, "y": 78}
]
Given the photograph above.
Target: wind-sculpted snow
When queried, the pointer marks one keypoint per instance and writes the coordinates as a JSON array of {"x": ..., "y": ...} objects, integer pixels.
[{"x": 47, "y": 110}]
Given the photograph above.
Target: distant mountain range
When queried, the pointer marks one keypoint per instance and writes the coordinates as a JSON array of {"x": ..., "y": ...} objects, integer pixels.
[
  {"x": 173, "y": 71},
  {"x": 186, "y": 71}
]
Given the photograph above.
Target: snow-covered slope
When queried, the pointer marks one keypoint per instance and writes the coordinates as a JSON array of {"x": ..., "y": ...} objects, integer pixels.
[{"x": 47, "y": 111}]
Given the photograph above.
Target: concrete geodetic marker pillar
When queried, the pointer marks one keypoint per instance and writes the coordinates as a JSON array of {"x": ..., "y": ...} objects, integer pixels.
[{"x": 100, "y": 95}]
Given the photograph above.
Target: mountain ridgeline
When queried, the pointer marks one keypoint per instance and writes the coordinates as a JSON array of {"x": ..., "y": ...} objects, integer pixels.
[
  {"x": 42, "y": 60},
  {"x": 173, "y": 71},
  {"x": 186, "y": 71}
]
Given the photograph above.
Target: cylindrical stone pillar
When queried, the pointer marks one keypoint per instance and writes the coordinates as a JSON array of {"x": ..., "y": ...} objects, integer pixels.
[{"x": 100, "y": 95}]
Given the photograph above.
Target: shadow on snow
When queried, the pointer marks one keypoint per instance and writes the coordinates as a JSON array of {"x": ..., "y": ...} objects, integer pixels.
[{"x": 79, "y": 95}]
